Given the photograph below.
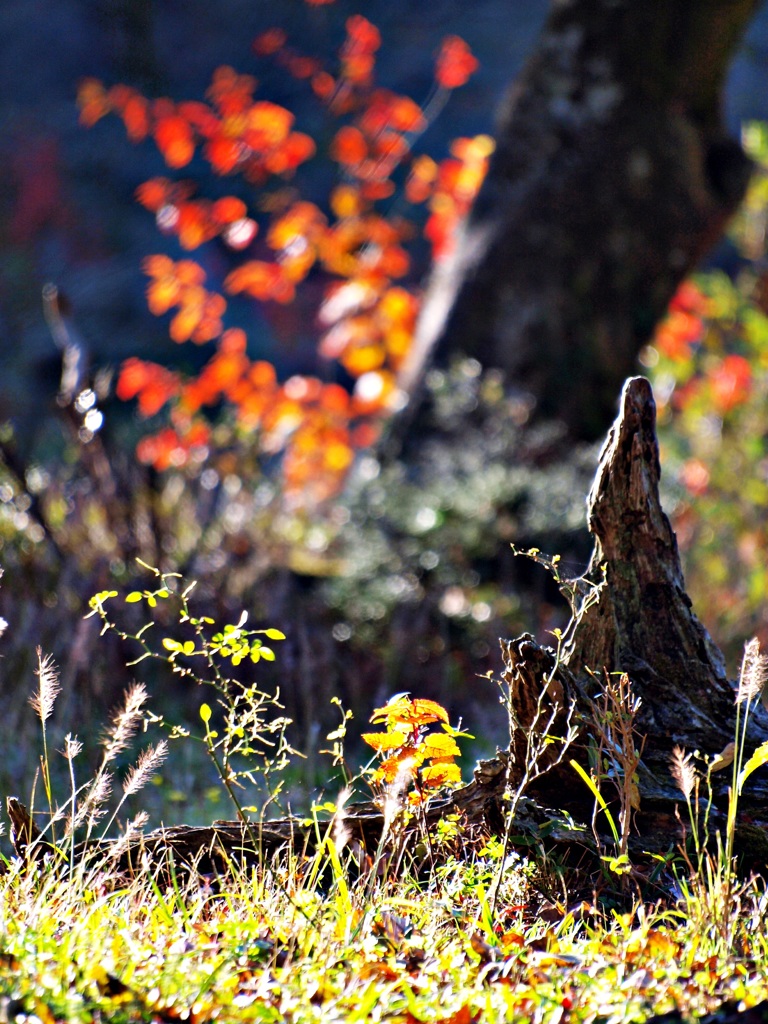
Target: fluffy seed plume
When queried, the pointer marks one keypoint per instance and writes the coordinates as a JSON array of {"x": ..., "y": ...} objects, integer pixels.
[
  {"x": 140, "y": 774},
  {"x": 683, "y": 772},
  {"x": 394, "y": 799},
  {"x": 92, "y": 808},
  {"x": 753, "y": 674},
  {"x": 72, "y": 747},
  {"x": 341, "y": 833},
  {"x": 49, "y": 687},
  {"x": 130, "y": 834},
  {"x": 125, "y": 722}
]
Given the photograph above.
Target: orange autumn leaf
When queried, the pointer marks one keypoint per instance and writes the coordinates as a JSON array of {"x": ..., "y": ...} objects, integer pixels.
[
  {"x": 268, "y": 125},
  {"x": 438, "y": 775},
  {"x": 162, "y": 294},
  {"x": 154, "y": 193},
  {"x": 405, "y": 762},
  {"x": 413, "y": 711},
  {"x": 228, "y": 209},
  {"x": 418, "y": 187},
  {"x": 384, "y": 740},
  {"x": 189, "y": 273},
  {"x": 334, "y": 399},
  {"x": 345, "y": 201},
  {"x": 455, "y": 63},
  {"x": 135, "y": 114},
  {"x": 300, "y": 222},
  {"x": 362, "y": 358},
  {"x": 93, "y": 101},
  {"x": 440, "y": 745},
  {"x": 405, "y": 115},
  {"x": 261, "y": 280}
]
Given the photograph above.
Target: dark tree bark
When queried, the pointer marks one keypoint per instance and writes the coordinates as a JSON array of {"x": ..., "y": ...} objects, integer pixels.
[
  {"x": 613, "y": 176},
  {"x": 636, "y": 618}
]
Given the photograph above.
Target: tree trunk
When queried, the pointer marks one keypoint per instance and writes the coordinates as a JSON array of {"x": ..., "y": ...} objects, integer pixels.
[{"x": 612, "y": 177}]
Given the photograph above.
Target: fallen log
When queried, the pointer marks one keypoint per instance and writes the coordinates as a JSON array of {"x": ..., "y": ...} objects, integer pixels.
[{"x": 632, "y": 616}]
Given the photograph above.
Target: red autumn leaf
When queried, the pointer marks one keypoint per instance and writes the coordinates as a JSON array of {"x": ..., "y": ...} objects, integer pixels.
[
  {"x": 230, "y": 92},
  {"x": 323, "y": 85},
  {"x": 302, "y": 67},
  {"x": 362, "y": 36},
  {"x": 223, "y": 153},
  {"x": 455, "y": 63},
  {"x": 153, "y": 385},
  {"x": 296, "y": 149},
  {"x": 175, "y": 140},
  {"x": 689, "y": 299},
  {"x": 366, "y": 434},
  {"x": 200, "y": 117},
  {"x": 193, "y": 224},
  {"x": 391, "y": 146},
  {"x": 373, "y": 190},
  {"x": 731, "y": 383},
  {"x": 349, "y": 146},
  {"x": 269, "y": 42}
]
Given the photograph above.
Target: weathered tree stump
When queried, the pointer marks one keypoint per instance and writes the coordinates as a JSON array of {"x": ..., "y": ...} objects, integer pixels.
[{"x": 634, "y": 617}]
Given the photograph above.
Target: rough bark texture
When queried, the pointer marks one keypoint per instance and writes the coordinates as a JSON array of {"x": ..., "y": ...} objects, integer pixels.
[
  {"x": 612, "y": 177},
  {"x": 636, "y": 618},
  {"x": 641, "y": 621}
]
